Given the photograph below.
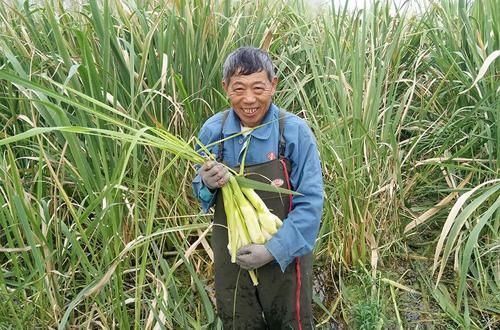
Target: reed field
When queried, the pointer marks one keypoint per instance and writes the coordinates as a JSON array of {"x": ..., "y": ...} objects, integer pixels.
[{"x": 101, "y": 102}]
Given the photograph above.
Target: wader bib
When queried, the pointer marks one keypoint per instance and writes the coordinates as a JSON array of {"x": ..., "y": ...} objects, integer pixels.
[{"x": 281, "y": 300}]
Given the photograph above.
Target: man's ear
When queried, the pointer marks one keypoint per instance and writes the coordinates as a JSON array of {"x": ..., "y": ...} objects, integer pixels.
[
  {"x": 225, "y": 85},
  {"x": 274, "y": 83}
]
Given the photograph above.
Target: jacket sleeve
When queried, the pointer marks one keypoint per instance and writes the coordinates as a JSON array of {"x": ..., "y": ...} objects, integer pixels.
[
  {"x": 204, "y": 195},
  {"x": 298, "y": 234}
]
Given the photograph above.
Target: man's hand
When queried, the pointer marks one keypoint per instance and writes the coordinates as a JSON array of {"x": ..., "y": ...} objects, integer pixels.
[
  {"x": 253, "y": 256},
  {"x": 214, "y": 174}
]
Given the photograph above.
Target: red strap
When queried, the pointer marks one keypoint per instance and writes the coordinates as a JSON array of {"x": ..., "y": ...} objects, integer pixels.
[
  {"x": 297, "y": 292},
  {"x": 297, "y": 259},
  {"x": 287, "y": 178}
]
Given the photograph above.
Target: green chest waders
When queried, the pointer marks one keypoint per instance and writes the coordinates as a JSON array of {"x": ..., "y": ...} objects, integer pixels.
[{"x": 281, "y": 300}]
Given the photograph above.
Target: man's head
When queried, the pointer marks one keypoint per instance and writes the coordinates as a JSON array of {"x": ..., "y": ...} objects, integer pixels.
[{"x": 250, "y": 83}]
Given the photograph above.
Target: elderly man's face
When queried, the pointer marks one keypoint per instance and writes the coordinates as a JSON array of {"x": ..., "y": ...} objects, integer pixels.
[{"x": 250, "y": 96}]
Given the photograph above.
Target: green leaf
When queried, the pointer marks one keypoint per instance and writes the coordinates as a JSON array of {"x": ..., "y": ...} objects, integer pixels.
[{"x": 248, "y": 183}]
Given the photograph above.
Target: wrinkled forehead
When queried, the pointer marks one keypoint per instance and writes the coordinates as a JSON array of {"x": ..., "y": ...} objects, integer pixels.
[{"x": 241, "y": 75}]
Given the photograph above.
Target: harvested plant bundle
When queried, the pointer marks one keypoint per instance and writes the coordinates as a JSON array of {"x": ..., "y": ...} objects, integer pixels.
[{"x": 248, "y": 219}]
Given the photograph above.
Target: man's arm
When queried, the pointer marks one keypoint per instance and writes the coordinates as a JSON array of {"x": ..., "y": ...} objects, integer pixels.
[{"x": 298, "y": 234}]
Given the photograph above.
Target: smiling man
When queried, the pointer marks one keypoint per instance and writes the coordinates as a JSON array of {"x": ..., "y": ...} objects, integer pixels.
[{"x": 281, "y": 148}]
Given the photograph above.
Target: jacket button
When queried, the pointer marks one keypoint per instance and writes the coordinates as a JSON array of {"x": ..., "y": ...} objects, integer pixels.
[{"x": 240, "y": 141}]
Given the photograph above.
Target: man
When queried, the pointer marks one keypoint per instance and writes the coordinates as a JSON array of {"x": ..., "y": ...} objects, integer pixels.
[{"x": 282, "y": 149}]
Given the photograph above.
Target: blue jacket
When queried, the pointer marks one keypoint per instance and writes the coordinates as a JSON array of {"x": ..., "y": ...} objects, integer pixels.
[{"x": 297, "y": 235}]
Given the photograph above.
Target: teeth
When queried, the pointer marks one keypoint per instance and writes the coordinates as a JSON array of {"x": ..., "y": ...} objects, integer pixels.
[{"x": 250, "y": 111}]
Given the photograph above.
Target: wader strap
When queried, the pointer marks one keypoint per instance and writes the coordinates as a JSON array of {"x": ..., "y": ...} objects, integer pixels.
[
  {"x": 220, "y": 154},
  {"x": 282, "y": 143}
]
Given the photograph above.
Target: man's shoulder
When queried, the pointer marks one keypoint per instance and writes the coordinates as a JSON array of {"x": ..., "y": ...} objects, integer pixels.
[
  {"x": 291, "y": 119},
  {"x": 215, "y": 122},
  {"x": 297, "y": 129}
]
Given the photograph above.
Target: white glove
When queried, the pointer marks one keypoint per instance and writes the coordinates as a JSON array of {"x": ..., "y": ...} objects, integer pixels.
[
  {"x": 253, "y": 256},
  {"x": 214, "y": 175}
]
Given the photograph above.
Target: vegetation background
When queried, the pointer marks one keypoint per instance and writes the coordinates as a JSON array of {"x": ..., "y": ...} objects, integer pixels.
[{"x": 98, "y": 225}]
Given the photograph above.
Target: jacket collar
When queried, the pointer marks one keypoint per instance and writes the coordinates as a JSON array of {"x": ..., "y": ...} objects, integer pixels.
[{"x": 232, "y": 124}]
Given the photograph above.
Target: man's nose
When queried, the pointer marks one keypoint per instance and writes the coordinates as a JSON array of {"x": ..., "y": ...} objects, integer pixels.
[{"x": 249, "y": 97}]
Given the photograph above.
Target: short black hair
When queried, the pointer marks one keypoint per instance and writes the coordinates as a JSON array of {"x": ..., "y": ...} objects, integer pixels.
[{"x": 247, "y": 60}]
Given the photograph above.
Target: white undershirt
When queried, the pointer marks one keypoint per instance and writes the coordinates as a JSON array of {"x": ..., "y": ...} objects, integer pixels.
[{"x": 245, "y": 130}]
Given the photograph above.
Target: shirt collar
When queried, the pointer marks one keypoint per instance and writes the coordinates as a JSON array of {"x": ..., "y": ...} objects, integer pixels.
[{"x": 232, "y": 124}]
